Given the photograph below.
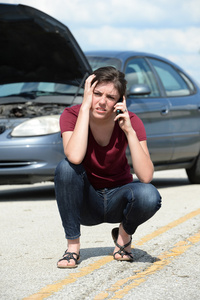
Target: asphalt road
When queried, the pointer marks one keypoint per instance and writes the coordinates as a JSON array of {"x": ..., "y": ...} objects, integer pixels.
[{"x": 166, "y": 248}]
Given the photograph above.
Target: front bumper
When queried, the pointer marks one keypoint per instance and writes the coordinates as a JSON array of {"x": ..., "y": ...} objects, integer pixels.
[{"x": 30, "y": 160}]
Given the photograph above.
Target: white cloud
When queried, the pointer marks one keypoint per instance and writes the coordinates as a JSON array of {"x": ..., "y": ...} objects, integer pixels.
[
  {"x": 165, "y": 13},
  {"x": 166, "y": 40},
  {"x": 192, "y": 8}
]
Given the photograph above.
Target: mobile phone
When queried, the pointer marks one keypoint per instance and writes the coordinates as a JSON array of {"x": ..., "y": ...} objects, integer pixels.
[{"x": 118, "y": 111}]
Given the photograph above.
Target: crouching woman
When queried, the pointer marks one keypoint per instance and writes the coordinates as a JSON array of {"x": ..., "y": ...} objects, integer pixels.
[{"x": 93, "y": 183}]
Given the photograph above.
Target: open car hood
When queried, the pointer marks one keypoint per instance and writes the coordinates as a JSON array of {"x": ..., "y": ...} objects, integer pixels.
[{"x": 37, "y": 48}]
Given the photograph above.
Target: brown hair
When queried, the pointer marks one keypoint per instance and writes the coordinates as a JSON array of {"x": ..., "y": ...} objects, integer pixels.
[{"x": 111, "y": 74}]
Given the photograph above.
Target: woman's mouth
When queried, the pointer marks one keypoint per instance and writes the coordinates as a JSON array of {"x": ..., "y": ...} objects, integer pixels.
[{"x": 100, "y": 110}]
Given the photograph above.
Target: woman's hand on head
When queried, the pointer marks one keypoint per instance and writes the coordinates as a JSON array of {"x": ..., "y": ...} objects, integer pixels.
[{"x": 88, "y": 91}]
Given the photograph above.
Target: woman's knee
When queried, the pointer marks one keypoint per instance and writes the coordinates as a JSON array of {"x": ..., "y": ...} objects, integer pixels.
[
  {"x": 147, "y": 195},
  {"x": 63, "y": 171},
  {"x": 62, "y": 168},
  {"x": 67, "y": 172},
  {"x": 152, "y": 197}
]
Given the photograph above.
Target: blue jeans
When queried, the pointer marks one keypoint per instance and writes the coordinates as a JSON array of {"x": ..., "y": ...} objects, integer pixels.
[{"x": 79, "y": 203}]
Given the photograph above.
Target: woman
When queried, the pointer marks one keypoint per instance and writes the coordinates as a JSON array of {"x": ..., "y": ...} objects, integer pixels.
[{"x": 94, "y": 184}]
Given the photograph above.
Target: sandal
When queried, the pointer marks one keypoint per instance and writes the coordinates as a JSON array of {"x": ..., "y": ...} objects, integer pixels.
[
  {"x": 121, "y": 251},
  {"x": 67, "y": 256}
]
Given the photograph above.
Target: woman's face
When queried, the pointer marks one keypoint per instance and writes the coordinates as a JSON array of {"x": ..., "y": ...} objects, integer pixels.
[{"x": 104, "y": 98}]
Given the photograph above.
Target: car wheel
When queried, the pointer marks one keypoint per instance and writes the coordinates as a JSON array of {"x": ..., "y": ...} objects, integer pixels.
[{"x": 194, "y": 172}]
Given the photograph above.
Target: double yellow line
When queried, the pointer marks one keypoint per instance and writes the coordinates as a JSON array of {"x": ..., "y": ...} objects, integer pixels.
[
  {"x": 123, "y": 286},
  {"x": 136, "y": 279}
]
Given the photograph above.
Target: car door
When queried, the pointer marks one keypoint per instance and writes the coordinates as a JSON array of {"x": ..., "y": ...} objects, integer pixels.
[
  {"x": 153, "y": 109},
  {"x": 185, "y": 111}
]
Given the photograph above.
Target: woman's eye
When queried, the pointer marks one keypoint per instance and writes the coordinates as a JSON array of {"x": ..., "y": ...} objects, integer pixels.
[{"x": 111, "y": 98}]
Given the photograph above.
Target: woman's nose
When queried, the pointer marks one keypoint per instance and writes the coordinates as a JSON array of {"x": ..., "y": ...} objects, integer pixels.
[{"x": 102, "y": 100}]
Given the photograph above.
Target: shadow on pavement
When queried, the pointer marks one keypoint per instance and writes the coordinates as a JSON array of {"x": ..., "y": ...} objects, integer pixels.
[
  {"x": 138, "y": 254},
  {"x": 32, "y": 193},
  {"x": 169, "y": 182},
  {"x": 46, "y": 191}
]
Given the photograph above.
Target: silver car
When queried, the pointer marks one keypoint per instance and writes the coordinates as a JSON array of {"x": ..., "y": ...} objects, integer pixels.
[{"x": 167, "y": 100}]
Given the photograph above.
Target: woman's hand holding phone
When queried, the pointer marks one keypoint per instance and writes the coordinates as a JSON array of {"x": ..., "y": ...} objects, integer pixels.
[
  {"x": 120, "y": 106},
  {"x": 122, "y": 115},
  {"x": 118, "y": 111}
]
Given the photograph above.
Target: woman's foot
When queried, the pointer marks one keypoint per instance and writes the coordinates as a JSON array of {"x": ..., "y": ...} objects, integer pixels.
[
  {"x": 122, "y": 241},
  {"x": 71, "y": 255}
]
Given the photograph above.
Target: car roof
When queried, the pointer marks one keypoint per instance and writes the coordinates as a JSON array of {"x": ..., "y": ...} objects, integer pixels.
[
  {"x": 123, "y": 55},
  {"x": 37, "y": 47}
]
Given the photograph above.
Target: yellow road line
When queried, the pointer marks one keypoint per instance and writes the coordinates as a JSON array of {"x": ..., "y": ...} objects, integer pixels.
[
  {"x": 141, "y": 276},
  {"x": 72, "y": 277},
  {"x": 167, "y": 227}
]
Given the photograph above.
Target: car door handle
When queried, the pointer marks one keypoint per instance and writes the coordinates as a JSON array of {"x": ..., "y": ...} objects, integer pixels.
[{"x": 164, "y": 111}]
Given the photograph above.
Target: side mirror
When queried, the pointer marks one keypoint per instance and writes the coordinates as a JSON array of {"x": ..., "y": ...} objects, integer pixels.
[{"x": 138, "y": 90}]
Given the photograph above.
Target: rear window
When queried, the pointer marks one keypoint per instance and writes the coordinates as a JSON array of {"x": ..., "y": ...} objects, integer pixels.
[
  {"x": 98, "y": 62},
  {"x": 172, "y": 81}
]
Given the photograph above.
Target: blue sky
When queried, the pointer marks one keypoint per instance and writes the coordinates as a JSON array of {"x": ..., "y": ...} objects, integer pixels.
[{"x": 170, "y": 28}]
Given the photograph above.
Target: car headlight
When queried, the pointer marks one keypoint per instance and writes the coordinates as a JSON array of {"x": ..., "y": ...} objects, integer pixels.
[{"x": 37, "y": 126}]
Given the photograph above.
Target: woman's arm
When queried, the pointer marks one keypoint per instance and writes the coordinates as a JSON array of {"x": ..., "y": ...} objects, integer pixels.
[
  {"x": 142, "y": 164},
  {"x": 75, "y": 142}
]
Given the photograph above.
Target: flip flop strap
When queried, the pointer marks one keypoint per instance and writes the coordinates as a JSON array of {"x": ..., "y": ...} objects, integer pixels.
[
  {"x": 124, "y": 246},
  {"x": 123, "y": 252},
  {"x": 69, "y": 255}
]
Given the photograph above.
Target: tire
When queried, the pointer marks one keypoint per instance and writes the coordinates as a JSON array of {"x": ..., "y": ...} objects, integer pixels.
[{"x": 193, "y": 173}]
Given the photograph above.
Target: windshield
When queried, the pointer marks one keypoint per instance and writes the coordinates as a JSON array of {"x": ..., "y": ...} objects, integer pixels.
[
  {"x": 98, "y": 62},
  {"x": 36, "y": 89}
]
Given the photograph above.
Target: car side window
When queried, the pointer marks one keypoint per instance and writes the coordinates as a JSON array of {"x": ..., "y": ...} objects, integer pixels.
[
  {"x": 189, "y": 83},
  {"x": 172, "y": 81},
  {"x": 137, "y": 71}
]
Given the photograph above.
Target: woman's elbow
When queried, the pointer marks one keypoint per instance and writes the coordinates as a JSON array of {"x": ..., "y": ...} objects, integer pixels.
[
  {"x": 146, "y": 178},
  {"x": 74, "y": 159}
]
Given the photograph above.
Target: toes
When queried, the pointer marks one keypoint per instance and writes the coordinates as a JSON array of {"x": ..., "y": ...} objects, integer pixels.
[{"x": 65, "y": 264}]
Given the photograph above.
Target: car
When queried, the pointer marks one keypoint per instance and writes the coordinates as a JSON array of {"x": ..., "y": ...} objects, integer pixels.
[
  {"x": 42, "y": 69},
  {"x": 168, "y": 102}
]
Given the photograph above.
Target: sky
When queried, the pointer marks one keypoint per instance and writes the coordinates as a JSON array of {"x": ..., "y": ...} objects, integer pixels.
[{"x": 169, "y": 28}]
